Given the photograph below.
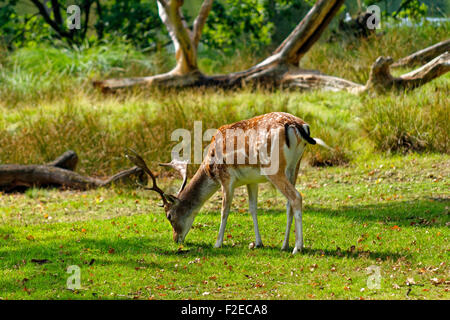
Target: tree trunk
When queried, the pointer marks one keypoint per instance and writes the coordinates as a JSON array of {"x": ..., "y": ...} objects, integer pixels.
[
  {"x": 281, "y": 69},
  {"x": 58, "y": 173}
]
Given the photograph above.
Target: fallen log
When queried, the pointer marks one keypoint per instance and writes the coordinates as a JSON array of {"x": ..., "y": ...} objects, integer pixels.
[
  {"x": 68, "y": 160},
  {"x": 186, "y": 73},
  {"x": 59, "y": 174},
  {"x": 423, "y": 56},
  {"x": 380, "y": 78},
  {"x": 281, "y": 68}
]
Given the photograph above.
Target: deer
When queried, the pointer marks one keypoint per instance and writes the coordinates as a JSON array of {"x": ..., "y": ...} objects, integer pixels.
[{"x": 285, "y": 135}]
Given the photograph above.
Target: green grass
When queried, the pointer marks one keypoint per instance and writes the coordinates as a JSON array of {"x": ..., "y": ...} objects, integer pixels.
[
  {"x": 391, "y": 213},
  {"x": 384, "y": 202}
]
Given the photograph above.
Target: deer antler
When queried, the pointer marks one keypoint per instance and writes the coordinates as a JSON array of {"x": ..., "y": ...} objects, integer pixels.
[
  {"x": 139, "y": 162},
  {"x": 181, "y": 167}
]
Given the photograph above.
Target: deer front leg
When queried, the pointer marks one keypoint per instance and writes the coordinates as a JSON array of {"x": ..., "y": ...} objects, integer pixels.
[
  {"x": 227, "y": 197},
  {"x": 252, "y": 204}
]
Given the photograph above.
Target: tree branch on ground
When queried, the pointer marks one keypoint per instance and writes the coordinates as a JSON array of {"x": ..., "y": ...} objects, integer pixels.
[
  {"x": 423, "y": 56},
  {"x": 59, "y": 174},
  {"x": 380, "y": 78},
  {"x": 281, "y": 69}
]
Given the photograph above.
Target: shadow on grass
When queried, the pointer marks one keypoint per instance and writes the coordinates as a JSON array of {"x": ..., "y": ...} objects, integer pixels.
[
  {"x": 418, "y": 213},
  {"x": 134, "y": 252}
]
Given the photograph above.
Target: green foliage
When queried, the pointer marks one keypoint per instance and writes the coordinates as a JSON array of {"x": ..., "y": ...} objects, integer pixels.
[
  {"x": 57, "y": 81},
  {"x": 414, "y": 10},
  {"x": 284, "y": 15},
  {"x": 135, "y": 20},
  {"x": 17, "y": 29},
  {"x": 237, "y": 24},
  {"x": 8, "y": 21}
]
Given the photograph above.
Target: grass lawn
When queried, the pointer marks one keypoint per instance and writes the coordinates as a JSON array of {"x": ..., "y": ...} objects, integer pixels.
[
  {"x": 391, "y": 213},
  {"x": 373, "y": 215}
]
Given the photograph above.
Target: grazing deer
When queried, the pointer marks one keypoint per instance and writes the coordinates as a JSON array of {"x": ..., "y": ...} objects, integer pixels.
[{"x": 284, "y": 134}]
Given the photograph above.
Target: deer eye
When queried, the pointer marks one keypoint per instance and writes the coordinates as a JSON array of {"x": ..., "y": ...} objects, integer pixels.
[{"x": 169, "y": 216}]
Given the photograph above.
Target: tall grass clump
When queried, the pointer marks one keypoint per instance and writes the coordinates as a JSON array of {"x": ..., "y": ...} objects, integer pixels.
[
  {"x": 46, "y": 73},
  {"x": 99, "y": 131},
  {"x": 417, "y": 121}
]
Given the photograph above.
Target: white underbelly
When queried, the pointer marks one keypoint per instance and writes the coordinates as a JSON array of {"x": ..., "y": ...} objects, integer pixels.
[{"x": 247, "y": 175}]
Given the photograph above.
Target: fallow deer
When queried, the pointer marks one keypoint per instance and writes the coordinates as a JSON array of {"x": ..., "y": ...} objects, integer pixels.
[{"x": 287, "y": 140}]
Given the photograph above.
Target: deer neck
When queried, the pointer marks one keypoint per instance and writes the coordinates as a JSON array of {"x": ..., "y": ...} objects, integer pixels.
[{"x": 197, "y": 191}]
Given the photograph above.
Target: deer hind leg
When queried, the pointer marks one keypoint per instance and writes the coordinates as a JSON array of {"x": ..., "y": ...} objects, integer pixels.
[
  {"x": 252, "y": 204},
  {"x": 227, "y": 198},
  {"x": 292, "y": 177},
  {"x": 282, "y": 183}
]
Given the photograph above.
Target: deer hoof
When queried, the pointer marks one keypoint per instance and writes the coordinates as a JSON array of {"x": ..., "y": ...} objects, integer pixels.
[
  {"x": 254, "y": 245},
  {"x": 297, "y": 250}
]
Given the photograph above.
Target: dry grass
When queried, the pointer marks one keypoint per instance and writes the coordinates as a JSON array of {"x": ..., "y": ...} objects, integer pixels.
[{"x": 352, "y": 59}]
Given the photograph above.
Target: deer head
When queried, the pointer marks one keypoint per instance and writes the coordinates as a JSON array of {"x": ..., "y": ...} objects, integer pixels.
[{"x": 176, "y": 211}]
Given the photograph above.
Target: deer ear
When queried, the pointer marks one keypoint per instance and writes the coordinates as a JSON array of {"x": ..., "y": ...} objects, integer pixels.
[
  {"x": 181, "y": 166},
  {"x": 171, "y": 198}
]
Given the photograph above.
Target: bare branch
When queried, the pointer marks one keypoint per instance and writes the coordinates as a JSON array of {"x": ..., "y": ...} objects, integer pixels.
[
  {"x": 281, "y": 68},
  {"x": 424, "y": 55},
  {"x": 308, "y": 30},
  {"x": 200, "y": 21},
  {"x": 58, "y": 28},
  {"x": 56, "y": 12}
]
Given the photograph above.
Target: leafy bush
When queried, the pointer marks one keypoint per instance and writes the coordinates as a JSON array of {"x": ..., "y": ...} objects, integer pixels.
[
  {"x": 137, "y": 21},
  {"x": 237, "y": 21},
  {"x": 19, "y": 29}
]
